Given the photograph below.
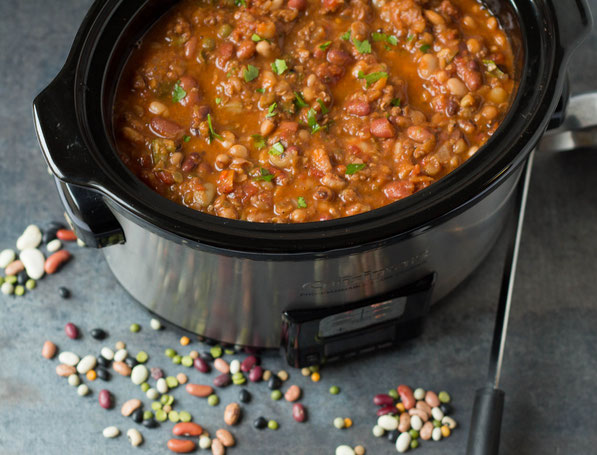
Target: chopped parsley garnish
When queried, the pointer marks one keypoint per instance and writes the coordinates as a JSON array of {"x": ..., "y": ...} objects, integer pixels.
[
  {"x": 346, "y": 36},
  {"x": 218, "y": 100},
  {"x": 279, "y": 66},
  {"x": 324, "y": 110},
  {"x": 302, "y": 204},
  {"x": 250, "y": 73},
  {"x": 386, "y": 38},
  {"x": 372, "y": 78},
  {"x": 212, "y": 132},
  {"x": 298, "y": 99},
  {"x": 240, "y": 2},
  {"x": 312, "y": 121},
  {"x": 260, "y": 90},
  {"x": 178, "y": 93},
  {"x": 255, "y": 37},
  {"x": 353, "y": 168},
  {"x": 325, "y": 45},
  {"x": 396, "y": 102},
  {"x": 409, "y": 38},
  {"x": 265, "y": 176},
  {"x": 271, "y": 109},
  {"x": 277, "y": 149},
  {"x": 186, "y": 138},
  {"x": 364, "y": 47},
  {"x": 258, "y": 141},
  {"x": 425, "y": 48}
]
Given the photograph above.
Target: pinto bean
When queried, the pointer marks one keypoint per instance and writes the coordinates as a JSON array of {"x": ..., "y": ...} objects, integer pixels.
[
  {"x": 358, "y": 107},
  {"x": 321, "y": 160},
  {"x": 299, "y": 5},
  {"x": 191, "y": 162},
  {"x": 323, "y": 193},
  {"x": 246, "y": 50},
  {"x": 398, "y": 190},
  {"x": 381, "y": 127},
  {"x": 190, "y": 86},
  {"x": 469, "y": 72},
  {"x": 419, "y": 134},
  {"x": 338, "y": 57},
  {"x": 165, "y": 177},
  {"x": 165, "y": 128}
]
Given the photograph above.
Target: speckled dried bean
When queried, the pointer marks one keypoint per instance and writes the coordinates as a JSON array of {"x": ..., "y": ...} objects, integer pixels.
[
  {"x": 48, "y": 350},
  {"x": 225, "y": 437},
  {"x": 432, "y": 399},
  {"x": 232, "y": 414}
]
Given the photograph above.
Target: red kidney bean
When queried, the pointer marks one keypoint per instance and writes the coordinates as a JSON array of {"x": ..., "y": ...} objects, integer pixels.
[
  {"x": 71, "y": 331},
  {"x": 222, "y": 380},
  {"x": 383, "y": 400},
  {"x": 165, "y": 128},
  {"x": 105, "y": 399},
  {"x": 201, "y": 365},
  {"x": 299, "y": 413},
  {"x": 338, "y": 57},
  {"x": 381, "y": 127},
  {"x": 388, "y": 409},
  {"x": 406, "y": 395},
  {"x": 54, "y": 262},
  {"x": 191, "y": 162},
  {"x": 297, "y": 4},
  {"x": 246, "y": 50},
  {"x": 187, "y": 429},
  {"x": 398, "y": 190},
  {"x": 181, "y": 445},
  {"x": 66, "y": 235},
  {"x": 256, "y": 374},
  {"x": 190, "y": 86},
  {"x": 199, "y": 390},
  {"x": 249, "y": 363},
  {"x": 431, "y": 399},
  {"x": 358, "y": 107}
]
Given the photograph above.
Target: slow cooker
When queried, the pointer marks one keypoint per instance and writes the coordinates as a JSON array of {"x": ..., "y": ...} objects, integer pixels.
[{"x": 322, "y": 289}]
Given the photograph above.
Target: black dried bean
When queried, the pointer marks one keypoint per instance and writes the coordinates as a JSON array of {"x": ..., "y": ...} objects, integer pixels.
[
  {"x": 131, "y": 362},
  {"x": 98, "y": 334},
  {"x": 137, "y": 416},
  {"x": 103, "y": 374},
  {"x": 64, "y": 292},
  {"x": 446, "y": 409},
  {"x": 244, "y": 396},
  {"x": 102, "y": 361},
  {"x": 206, "y": 356},
  {"x": 22, "y": 278},
  {"x": 150, "y": 423},
  {"x": 392, "y": 435},
  {"x": 274, "y": 382},
  {"x": 260, "y": 423}
]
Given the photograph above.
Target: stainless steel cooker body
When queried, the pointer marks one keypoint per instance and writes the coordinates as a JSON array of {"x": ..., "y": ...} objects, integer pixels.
[{"x": 239, "y": 298}]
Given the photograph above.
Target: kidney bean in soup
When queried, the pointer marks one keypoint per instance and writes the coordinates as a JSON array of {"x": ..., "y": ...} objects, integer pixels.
[{"x": 295, "y": 111}]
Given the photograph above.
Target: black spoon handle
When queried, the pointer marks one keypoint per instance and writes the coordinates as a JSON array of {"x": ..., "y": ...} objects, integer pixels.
[{"x": 486, "y": 422}]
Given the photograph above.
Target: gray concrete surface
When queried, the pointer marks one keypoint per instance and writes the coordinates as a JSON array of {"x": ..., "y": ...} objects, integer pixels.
[{"x": 550, "y": 367}]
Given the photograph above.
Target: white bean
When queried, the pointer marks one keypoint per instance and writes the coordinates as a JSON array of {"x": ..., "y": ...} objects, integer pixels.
[
  {"x": 107, "y": 353},
  {"x": 378, "y": 431},
  {"x": 135, "y": 437},
  {"x": 403, "y": 442},
  {"x": 416, "y": 423},
  {"x": 6, "y": 257},
  {"x": 139, "y": 374},
  {"x": 161, "y": 386},
  {"x": 31, "y": 238},
  {"x": 449, "y": 422},
  {"x": 54, "y": 245},
  {"x": 437, "y": 414},
  {"x": 152, "y": 394},
  {"x": 87, "y": 363},
  {"x": 419, "y": 394},
  {"x": 234, "y": 366},
  {"x": 34, "y": 261},
  {"x": 111, "y": 432},
  {"x": 82, "y": 390},
  {"x": 120, "y": 355},
  {"x": 155, "y": 324},
  {"x": 204, "y": 442},
  {"x": 74, "y": 380},
  {"x": 436, "y": 435},
  {"x": 344, "y": 450},
  {"x": 387, "y": 422},
  {"x": 68, "y": 358}
]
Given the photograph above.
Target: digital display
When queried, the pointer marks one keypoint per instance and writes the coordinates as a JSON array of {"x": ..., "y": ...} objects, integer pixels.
[{"x": 360, "y": 318}]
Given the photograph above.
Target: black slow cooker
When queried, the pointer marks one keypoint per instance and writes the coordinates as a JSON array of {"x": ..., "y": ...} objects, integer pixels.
[{"x": 321, "y": 289}]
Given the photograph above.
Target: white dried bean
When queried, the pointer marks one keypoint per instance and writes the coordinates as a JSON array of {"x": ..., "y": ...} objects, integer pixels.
[
  {"x": 436, "y": 435},
  {"x": 437, "y": 414},
  {"x": 234, "y": 366},
  {"x": 155, "y": 324},
  {"x": 7, "y": 288},
  {"x": 54, "y": 245},
  {"x": 34, "y": 261},
  {"x": 31, "y": 238},
  {"x": 416, "y": 423},
  {"x": 120, "y": 355},
  {"x": 6, "y": 257},
  {"x": 204, "y": 442},
  {"x": 107, "y": 353},
  {"x": 68, "y": 358},
  {"x": 139, "y": 374},
  {"x": 344, "y": 450},
  {"x": 87, "y": 363},
  {"x": 152, "y": 394},
  {"x": 82, "y": 390},
  {"x": 161, "y": 386},
  {"x": 403, "y": 442},
  {"x": 135, "y": 437},
  {"x": 387, "y": 422},
  {"x": 419, "y": 394},
  {"x": 111, "y": 432},
  {"x": 449, "y": 422},
  {"x": 74, "y": 380},
  {"x": 378, "y": 431}
]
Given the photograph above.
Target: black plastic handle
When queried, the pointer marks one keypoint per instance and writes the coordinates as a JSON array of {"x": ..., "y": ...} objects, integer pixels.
[
  {"x": 486, "y": 422},
  {"x": 70, "y": 161},
  {"x": 574, "y": 21}
]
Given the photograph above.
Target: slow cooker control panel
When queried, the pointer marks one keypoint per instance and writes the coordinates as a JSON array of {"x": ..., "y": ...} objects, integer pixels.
[{"x": 313, "y": 337}]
